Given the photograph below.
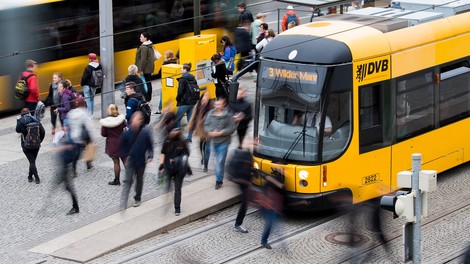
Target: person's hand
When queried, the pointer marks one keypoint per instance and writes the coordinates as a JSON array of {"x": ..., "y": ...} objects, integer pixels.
[
  {"x": 149, "y": 160},
  {"x": 161, "y": 167}
]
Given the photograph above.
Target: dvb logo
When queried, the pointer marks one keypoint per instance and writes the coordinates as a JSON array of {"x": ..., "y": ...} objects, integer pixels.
[{"x": 370, "y": 68}]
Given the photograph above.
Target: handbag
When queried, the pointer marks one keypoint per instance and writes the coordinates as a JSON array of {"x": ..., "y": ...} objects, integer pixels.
[
  {"x": 89, "y": 154},
  {"x": 156, "y": 54}
]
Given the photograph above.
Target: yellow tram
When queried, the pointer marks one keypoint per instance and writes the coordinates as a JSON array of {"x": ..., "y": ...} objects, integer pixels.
[{"x": 385, "y": 89}]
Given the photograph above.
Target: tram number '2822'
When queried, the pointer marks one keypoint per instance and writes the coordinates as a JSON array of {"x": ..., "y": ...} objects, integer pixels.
[{"x": 370, "y": 179}]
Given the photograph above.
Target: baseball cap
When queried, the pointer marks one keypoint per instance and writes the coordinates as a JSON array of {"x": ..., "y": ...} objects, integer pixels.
[{"x": 92, "y": 56}]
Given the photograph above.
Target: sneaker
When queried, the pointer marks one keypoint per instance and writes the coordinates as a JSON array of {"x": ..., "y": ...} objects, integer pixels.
[
  {"x": 114, "y": 182},
  {"x": 218, "y": 185},
  {"x": 266, "y": 245},
  {"x": 205, "y": 168},
  {"x": 89, "y": 166},
  {"x": 177, "y": 212},
  {"x": 73, "y": 211},
  {"x": 241, "y": 229},
  {"x": 37, "y": 180},
  {"x": 74, "y": 173},
  {"x": 158, "y": 112},
  {"x": 30, "y": 178},
  {"x": 137, "y": 203},
  {"x": 202, "y": 161}
]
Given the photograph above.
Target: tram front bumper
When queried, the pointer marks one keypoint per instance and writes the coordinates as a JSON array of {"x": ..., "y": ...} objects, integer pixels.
[{"x": 317, "y": 202}]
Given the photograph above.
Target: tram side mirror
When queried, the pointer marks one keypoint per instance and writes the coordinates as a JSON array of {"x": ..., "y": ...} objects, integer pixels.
[{"x": 233, "y": 91}]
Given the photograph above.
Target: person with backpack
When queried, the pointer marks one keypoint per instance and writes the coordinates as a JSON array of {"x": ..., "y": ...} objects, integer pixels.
[
  {"x": 144, "y": 59},
  {"x": 136, "y": 102},
  {"x": 290, "y": 19},
  {"x": 31, "y": 97},
  {"x": 92, "y": 79},
  {"x": 188, "y": 95},
  {"x": 229, "y": 54},
  {"x": 32, "y": 134}
]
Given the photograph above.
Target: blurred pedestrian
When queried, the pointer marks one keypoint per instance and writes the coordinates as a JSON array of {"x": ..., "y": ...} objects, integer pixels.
[
  {"x": 144, "y": 59},
  {"x": 174, "y": 160},
  {"x": 137, "y": 150},
  {"x": 243, "y": 44},
  {"x": 229, "y": 54},
  {"x": 290, "y": 19},
  {"x": 65, "y": 101},
  {"x": 245, "y": 15},
  {"x": 243, "y": 114},
  {"x": 29, "y": 74},
  {"x": 53, "y": 98},
  {"x": 169, "y": 58},
  {"x": 67, "y": 153},
  {"x": 255, "y": 28},
  {"x": 32, "y": 134},
  {"x": 112, "y": 128},
  {"x": 132, "y": 100},
  {"x": 135, "y": 78},
  {"x": 220, "y": 75},
  {"x": 240, "y": 171},
  {"x": 186, "y": 99},
  {"x": 92, "y": 79},
  {"x": 219, "y": 125},
  {"x": 196, "y": 126},
  {"x": 81, "y": 132}
]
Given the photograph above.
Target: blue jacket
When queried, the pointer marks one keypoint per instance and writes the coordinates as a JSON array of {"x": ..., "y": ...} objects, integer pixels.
[{"x": 137, "y": 147}]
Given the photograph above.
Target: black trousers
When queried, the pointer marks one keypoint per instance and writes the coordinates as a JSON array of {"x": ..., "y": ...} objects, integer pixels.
[
  {"x": 31, "y": 155},
  {"x": 178, "y": 181},
  {"x": 53, "y": 116},
  {"x": 241, "y": 135},
  {"x": 243, "y": 205}
]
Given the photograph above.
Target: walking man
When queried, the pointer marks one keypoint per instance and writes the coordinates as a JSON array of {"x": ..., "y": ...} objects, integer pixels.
[
  {"x": 137, "y": 151},
  {"x": 187, "y": 97},
  {"x": 29, "y": 75}
]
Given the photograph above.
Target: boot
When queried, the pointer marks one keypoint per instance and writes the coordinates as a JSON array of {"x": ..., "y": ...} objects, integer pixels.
[
  {"x": 36, "y": 177},
  {"x": 114, "y": 182},
  {"x": 30, "y": 178}
]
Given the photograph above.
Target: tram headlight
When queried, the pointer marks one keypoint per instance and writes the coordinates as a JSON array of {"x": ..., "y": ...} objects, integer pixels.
[{"x": 303, "y": 174}]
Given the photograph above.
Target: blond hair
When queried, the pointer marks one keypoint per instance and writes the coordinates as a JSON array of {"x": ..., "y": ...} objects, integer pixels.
[{"x": 113, "y": 110}]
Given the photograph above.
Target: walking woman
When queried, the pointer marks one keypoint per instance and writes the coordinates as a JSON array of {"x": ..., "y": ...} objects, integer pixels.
[
  {"x": 229, "y": 54},
  {"x": 219, "y": 73},
  {"x": 53, "y": 98},
  {"x": 144, "y": 60},
  {"x": 64, "y": 106},
  {"x": 173, "y": 159},
  {"x": 26, "y": 124},
  {"x": 111, "y": 128}
]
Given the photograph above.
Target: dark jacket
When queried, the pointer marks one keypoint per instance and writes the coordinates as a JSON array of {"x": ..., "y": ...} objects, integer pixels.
[
  {"x": 137, "y": 146},
  {"x": 132, "y": 102},
  {"x": 138, "y": 81},
  {"x": 145, "y": 57},
  {"x": 21, "y": 127},
  {"x": 53, "y": 98},
  {"x": 64, "y": 106},
  {"x": 244, "y": 107},
  {"x": 220, "y": 74},
  {"x": 183, "y": 84},
  {"x": 87, "y": 73},
  {"x": 174, "y": 149},
  {"x": 242, "y": 40},
  {"x": 245, "y": 17},
  {"x": 112, "y": 128}
]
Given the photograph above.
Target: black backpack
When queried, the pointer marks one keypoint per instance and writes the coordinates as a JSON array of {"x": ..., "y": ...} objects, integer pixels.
[
  {"x": 21, "y": 87},
  {"x": 32, "y": 140},
  {"x": 144, "y": 107},
  {"x": 193, "y": 92},
  {"x": 96, "y": 78}
]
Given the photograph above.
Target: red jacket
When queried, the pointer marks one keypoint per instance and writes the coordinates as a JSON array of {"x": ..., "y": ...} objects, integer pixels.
[
  {"x": 284, "y": 19},
  {"x": 33, "y": 85}
]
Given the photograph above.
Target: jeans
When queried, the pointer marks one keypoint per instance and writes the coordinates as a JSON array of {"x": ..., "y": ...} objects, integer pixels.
[
  {"x": 270, "y": 217},
  {"x": 31, "y": 155},
  {"x": 182, "y": 109},
  {"x": 63, "y": 175},
  {"x": 161, "y": 101},
  {"x": 220, "y": 155},
  {"x": 89, "y": 94},
  {"x": 131, "y": 169},
  {"x": 207, "y": 151}
]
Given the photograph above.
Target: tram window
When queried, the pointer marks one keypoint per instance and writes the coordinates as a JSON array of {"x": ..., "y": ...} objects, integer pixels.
[
  {"x": 454, "y": 93},
  {"x": 415, "y": 104},
  {"x": 370, "y": 122}
]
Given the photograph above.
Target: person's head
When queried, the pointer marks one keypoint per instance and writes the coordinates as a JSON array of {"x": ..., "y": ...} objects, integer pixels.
[
  {"x": 132, "y": 69},
  {"x": 130, "y": 88},
  {"x": 24, "y": 111},
  {"x": 80, "y": 102},
  {"x": 263, "y": 26},
  {"x": 169, "y": 54},
  {"x": 31, "y": 65},
  {"x": 241, "y": 7},
  {"x": 92, "y": 57},
  {"x": 219, "y": 104},
  {"x": 186, "y": 67},
  {"x": 261, "y": 16},
  {"x": 226, "y": 41},
  {"x": 67, "y": 84},
  {"x": 270, "y": 33},
  {"x": 113, "y": 110},
  {"x": 216, "y": 58},
  {"x": 175, "y": 134},
  {"x": 289, "y": 7},
  {"x": 61, "y": 86},
  {"x": 137, "y": 119},
  {"x": 56, "y": 77},
  {"x": 144, "y": 36}
]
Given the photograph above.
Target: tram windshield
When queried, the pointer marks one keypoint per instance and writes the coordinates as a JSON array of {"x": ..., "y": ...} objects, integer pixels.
[{"x": 294, "y": 120}]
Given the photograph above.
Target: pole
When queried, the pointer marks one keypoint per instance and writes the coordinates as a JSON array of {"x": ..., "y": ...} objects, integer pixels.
[
  {"x": 197, "y": 17},
  {"x": 416, "y": 157},
  {"x": 106, "y": 54}
]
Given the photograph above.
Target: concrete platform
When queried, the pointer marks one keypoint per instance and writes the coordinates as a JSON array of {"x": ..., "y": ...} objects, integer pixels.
[{"x": 135, "y": 224}]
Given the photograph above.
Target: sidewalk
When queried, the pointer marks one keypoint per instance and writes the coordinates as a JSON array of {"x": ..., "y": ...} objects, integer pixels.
[{"x": 154, "y": 216}]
